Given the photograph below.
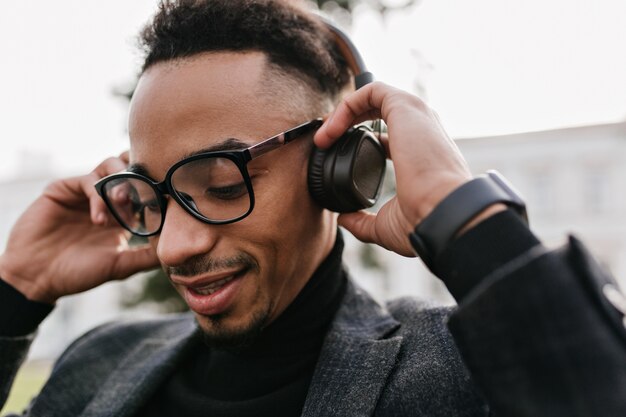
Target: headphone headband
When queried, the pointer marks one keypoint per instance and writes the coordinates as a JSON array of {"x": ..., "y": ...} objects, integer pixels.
[
  {"x": 352, "y": 56},
  {"x": 347, "y": 176}
]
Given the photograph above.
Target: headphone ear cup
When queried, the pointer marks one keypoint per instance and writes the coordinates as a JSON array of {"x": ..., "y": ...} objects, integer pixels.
[
  {"x": 316, "y": 176},
  {"x": 347, "y": 176}
]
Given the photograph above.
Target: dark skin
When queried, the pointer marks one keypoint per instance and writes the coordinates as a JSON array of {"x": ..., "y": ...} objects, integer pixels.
[
  {"x": 286, "y": 237},
  {"x": 428, "y": 165},
  {"x": 66, "y": 242}
]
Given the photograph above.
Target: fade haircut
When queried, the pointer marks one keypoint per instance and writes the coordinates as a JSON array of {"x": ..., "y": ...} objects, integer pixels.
[{"x": 294, "y": 41}]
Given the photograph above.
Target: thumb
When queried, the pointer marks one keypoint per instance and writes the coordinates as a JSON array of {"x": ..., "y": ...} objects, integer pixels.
[
  {"x": 361, "y": 224},
  {"x": 133, "y": 260},
  {"x": 382, "y": 228}
]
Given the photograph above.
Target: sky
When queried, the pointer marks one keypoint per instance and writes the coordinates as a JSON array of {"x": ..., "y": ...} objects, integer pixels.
[{"x": 486, "y": 66}]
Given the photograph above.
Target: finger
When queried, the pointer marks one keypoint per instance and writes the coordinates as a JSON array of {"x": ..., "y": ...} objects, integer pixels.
[
  {"x": 134, "y": 259},
  {"x": 364, "y": 104},
  {"x": 81, "y": 187},
  {"x": 361, "y": 224},
  {"x": 99, "y": 212},
  {"x": 85, "y": 183},
  {"x": 73, "y": 194},
  {"x": 324, "y": 141},
  {"x": 110, "y": 166},
  {"x": 384, "y": 140},
  {"x": 124, "y": 156}
]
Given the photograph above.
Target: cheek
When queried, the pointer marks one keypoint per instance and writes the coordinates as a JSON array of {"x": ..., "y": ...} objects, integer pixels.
[
  {"x": 284, "y": 200},
  {"x": 283, "y": 214}
]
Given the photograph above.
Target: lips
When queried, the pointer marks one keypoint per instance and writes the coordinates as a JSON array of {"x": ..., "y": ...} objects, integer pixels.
[
  {"x": 211, "y": 295},
  {"x": 212, "y": 287}
]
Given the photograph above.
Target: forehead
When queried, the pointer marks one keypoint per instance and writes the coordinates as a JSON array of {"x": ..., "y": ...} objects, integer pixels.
[{"x": 184, "y": 106}]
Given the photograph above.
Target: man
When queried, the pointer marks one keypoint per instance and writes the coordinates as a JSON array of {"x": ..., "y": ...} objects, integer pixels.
[{"x": 276, "y": 327}]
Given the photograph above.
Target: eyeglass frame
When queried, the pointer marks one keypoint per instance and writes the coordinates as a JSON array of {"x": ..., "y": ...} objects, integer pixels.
[{"x": 240, "y": 157}]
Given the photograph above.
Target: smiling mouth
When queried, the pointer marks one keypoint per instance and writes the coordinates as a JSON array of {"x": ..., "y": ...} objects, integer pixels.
[
  {"x": 208, "y": 298},
  {"x": 214, "y": 286},
  {"x": 202, "y": 288}
]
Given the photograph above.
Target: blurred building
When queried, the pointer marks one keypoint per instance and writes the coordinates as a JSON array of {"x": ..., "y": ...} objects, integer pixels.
[{"x": 573, "y": 180}]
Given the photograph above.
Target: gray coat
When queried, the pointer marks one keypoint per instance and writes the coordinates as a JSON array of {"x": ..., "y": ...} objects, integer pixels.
[
  {"x": 370, "y": 361},
  {"x": 538, "y": 335}
]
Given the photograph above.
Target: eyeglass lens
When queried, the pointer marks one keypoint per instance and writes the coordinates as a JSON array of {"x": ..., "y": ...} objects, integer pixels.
[
  {"x": 135, "y": 204},
  {"x": 212, "y": 187}
]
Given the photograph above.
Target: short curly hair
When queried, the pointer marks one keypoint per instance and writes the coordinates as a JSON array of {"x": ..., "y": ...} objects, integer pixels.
[{"x": 291, "y": 37}]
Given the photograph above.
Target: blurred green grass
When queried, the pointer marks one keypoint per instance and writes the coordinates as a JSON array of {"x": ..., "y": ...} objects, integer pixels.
[{"x": 28, "y": 382}]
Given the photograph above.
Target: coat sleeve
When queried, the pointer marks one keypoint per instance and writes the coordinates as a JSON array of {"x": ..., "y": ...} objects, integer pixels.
[
  {"x": 539, "y": 331},
  {"x": 13, "y": 351},
  {"x": 19, "y": 319}
]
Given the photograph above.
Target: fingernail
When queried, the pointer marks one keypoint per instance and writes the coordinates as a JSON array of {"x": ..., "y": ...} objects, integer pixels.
[{"x": 100, "y": 218}]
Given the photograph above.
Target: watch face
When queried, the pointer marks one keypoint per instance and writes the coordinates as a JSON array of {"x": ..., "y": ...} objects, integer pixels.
[{"x": 516, "y": 200}]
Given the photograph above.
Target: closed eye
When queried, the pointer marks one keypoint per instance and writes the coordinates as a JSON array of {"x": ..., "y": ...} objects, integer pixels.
[{"x": 229, "y": 192}]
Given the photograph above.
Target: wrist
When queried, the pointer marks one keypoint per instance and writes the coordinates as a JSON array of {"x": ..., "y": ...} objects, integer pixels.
[
  {"x": 480, "y": 217},
  {"x": 462, "y": 209},
  {"x": 425, "y": 203},
  {"x": 20, "y": 316},
  {"x": 30, "y": 289},
  {"x": 483, "y": 249}
]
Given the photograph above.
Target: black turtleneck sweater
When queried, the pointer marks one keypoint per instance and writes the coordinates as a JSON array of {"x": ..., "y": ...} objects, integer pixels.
[{"x": 271, "y": 376}]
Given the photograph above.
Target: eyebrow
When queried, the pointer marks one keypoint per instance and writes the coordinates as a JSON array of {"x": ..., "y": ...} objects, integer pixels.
[
  {"x": 138, "y": 169},
  {"x": 230, "y": 144}
]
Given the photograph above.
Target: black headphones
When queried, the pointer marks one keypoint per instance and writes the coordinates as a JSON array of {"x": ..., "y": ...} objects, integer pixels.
[{"x": 347, "y": 176}]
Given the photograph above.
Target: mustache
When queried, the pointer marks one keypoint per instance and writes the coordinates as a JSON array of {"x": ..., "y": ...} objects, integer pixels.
[{"x": 202, "y": 264}]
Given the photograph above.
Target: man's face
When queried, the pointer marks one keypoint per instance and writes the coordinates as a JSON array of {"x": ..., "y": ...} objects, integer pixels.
[{"x": 236, "y": 277}]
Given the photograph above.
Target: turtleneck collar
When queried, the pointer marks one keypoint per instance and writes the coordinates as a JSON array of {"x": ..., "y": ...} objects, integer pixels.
[
  {"x": 271, "y": 376},
  {"x": 304, "y": 322}
]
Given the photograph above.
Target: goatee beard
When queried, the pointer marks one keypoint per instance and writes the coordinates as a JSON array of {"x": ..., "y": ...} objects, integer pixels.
[{"x": 238, "y": 339}]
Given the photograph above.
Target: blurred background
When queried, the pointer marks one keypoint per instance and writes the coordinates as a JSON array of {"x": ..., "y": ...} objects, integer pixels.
[{"x": 534, "y": 89}]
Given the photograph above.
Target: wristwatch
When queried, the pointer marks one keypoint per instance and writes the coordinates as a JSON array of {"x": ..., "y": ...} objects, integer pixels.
[{"x": 439, "y": 228}]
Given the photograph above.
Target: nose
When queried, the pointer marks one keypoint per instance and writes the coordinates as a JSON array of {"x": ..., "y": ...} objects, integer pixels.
[{"x": 183, "y": 236}]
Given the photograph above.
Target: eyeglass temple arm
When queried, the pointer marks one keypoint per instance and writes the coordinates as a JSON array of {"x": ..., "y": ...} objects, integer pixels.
[{"x": 283, "y": 138}]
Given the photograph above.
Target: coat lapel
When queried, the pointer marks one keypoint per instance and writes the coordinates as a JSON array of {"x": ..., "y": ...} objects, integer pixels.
[
  {"x": 354, "y": 364},
  {"x": 355, "y": 361},
  {"x": 135, "y": 379}
]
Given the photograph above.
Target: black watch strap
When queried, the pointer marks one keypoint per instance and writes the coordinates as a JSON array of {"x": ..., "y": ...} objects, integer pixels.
[{"x": 433, "y": 234}]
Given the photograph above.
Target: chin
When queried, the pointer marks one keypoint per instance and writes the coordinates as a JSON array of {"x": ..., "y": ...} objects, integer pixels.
[{"x": 225, "y": 331}]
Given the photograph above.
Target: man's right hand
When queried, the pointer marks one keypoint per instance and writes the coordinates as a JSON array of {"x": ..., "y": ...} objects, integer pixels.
[
  {"x": 427, "y": 163},
  {"x": 66, "y": 242}
]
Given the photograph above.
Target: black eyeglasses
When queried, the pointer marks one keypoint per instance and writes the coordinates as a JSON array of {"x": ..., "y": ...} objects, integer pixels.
[{"x": 214, "y": 187}]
